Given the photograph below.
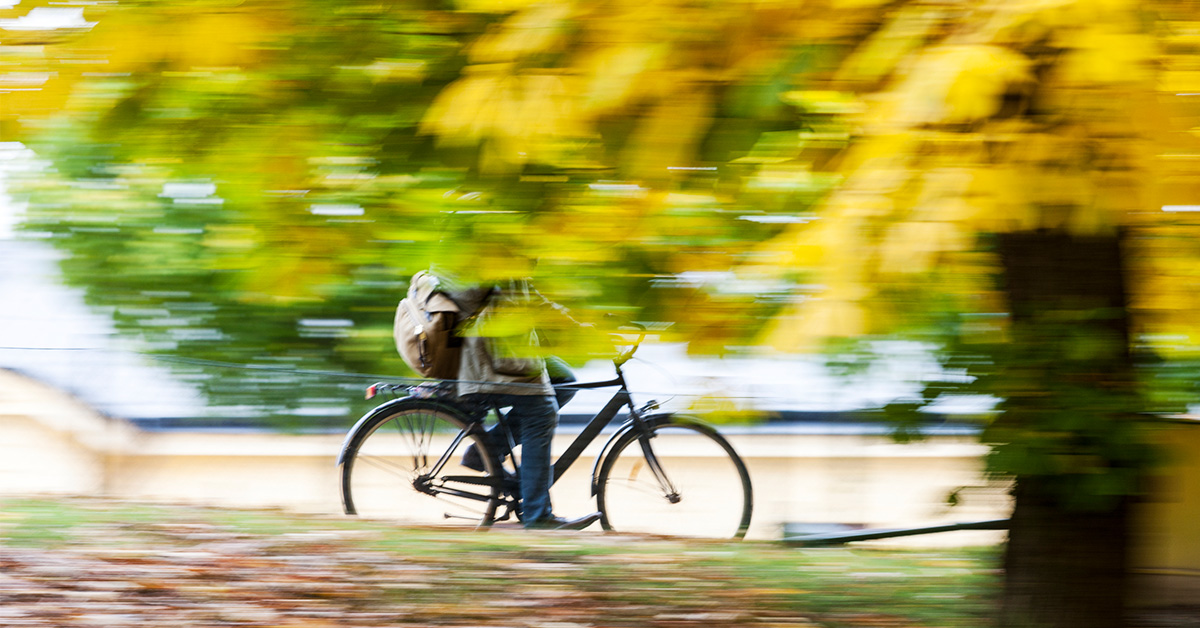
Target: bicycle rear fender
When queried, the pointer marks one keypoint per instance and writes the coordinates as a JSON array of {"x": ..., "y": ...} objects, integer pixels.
[
  {"x": 404, "y": 402},
  {"x": 650, "y": 419}
]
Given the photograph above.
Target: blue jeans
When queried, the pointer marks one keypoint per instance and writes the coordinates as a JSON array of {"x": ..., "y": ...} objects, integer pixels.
[
  {"x": 532, "y": 421},
  {"x": 536, "y": 416}
]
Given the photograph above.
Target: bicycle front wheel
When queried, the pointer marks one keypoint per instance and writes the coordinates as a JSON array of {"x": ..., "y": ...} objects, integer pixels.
[
  {"x": 404, "y": 463},
  {"x": 684, "y": 480}
]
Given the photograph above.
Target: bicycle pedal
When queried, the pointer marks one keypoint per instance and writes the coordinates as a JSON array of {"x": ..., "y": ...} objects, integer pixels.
[
  {"x": 511, "y": 511},
  {"x": 649, "y": 406}
]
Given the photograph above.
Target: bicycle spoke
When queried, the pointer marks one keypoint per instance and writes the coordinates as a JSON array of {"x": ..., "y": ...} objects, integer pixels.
[
  {"x": 418, "y": 443},
  {"x": 658, "y": 483},
  {"x": 396, "y": 471},
  {"x": 645, "y": 488},
  {"x": 382, "y": 463},
  {"x": 640, "y": 488}
]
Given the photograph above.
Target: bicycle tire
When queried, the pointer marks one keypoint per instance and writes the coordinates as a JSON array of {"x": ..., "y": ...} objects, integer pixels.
[
  {"x": 714, "y": 497},
  {"x": 387, "y": 460}
]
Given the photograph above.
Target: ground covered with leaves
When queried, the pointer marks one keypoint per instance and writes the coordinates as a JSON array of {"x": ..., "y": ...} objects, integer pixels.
[{"x": 88, "y": 562}]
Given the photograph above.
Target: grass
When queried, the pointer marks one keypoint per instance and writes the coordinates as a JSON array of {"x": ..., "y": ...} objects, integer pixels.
[{"x": 292, "y": 567}]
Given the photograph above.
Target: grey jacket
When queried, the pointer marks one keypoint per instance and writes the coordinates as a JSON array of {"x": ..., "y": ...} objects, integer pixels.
[{"x": 476, "y": 374}]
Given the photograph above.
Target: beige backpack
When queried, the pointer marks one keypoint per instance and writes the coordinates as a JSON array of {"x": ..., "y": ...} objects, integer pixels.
[{"x": 424, "y": 329}]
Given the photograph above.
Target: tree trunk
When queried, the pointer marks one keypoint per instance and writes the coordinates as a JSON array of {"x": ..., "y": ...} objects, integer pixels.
[
  {"x": 1067, "y": 553},
  {"x": 1064, "y": 567}
]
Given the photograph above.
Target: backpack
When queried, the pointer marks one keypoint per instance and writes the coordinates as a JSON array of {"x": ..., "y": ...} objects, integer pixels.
[{"x": 424, "y": 329}]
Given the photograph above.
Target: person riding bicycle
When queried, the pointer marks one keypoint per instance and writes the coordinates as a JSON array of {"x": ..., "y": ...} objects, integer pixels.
[{"x": 501, "y": 366}]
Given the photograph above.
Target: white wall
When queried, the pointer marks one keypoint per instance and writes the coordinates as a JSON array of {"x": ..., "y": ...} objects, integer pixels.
[{"x": 49, "y": 443}]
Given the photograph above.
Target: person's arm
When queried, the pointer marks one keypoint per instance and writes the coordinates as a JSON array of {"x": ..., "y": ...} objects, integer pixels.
[{"x": 540, "y": 301}]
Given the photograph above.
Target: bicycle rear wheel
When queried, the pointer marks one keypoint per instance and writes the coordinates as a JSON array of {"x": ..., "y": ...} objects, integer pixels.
[
  {"x": 404, "y": 462},
  {"x": 703, "y": 489}
]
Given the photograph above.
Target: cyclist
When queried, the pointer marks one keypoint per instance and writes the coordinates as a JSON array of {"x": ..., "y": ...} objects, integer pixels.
[{"x": 504, "y": 371}]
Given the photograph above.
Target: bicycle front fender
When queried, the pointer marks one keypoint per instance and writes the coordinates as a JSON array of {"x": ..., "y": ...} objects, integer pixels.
[
  {"x": 652, "y": 420},
  {"x": 410, "y": 402}
]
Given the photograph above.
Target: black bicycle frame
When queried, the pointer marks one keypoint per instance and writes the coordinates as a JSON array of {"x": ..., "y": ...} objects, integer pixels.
[{"x": 598, "y": 422}]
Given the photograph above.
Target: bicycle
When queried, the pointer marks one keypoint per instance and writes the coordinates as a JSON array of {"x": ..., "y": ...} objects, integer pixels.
[{"x": 663, "y": 473}]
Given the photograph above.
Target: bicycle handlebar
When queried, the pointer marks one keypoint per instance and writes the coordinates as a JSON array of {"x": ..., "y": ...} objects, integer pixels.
[{"x": 626, "y": 355}]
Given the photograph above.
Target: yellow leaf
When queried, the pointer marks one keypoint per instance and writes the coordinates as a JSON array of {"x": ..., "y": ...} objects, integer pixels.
[
  {"x": 537, "y": 28},
  {"x": 27, "y": 102},
  {"x": 824, "y": 101},
  {"x": 1100, "y": 56},
  {"x": 612, "y": 74},
  {"x": 504, "y": 111},
  {"x": 401, "y": 70},
  {"x": 881, "y": 164},
  {"x": 939, "y": 185},
  {"x": 803, "y": 328},
  {"x": 1060, "y": 189},
  {"x": 862, "y": 204},
  {"x": 1176, "y": 81},
  {"x": 460, "y": 115},
  {"x": 879, "y": 55},
  {"x": 857, "y": 4},
  {"x": 217, "y": 40},
  {"x": 668, "y": 135},
  {"x": 959, "y": 83},
  {"x": 1090, "y": 221},
  {"x": 494, "y": 6},
  {"x": 908, "y": 248},
  {"x": 130, "y": 44},
  {"x": 998, "y": 194}
]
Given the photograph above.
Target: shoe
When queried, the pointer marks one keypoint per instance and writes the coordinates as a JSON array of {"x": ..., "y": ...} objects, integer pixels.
[
  {"x": 471, "y": 458},
  {"x": 558, "y": 523},
  {"x": 473, "y": 461}
]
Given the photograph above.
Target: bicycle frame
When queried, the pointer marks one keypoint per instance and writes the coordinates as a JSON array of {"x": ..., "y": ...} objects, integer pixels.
[{"x": 622, "y": 398}]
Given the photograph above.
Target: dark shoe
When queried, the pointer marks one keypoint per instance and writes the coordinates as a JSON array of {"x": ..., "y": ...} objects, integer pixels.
[
  {"x": 473, "y": 461},
  {"x": 471, "y": 458},
  {"x": 558, "y": 523}
]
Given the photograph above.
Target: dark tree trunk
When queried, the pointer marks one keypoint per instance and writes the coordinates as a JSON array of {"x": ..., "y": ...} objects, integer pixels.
[
  {"x": 1064, "y": 567},
  {"x": 1067, "y": 553}
]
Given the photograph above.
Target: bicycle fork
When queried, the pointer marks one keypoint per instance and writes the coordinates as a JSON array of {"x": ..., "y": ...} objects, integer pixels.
[{"x": 645, "y": 436}]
